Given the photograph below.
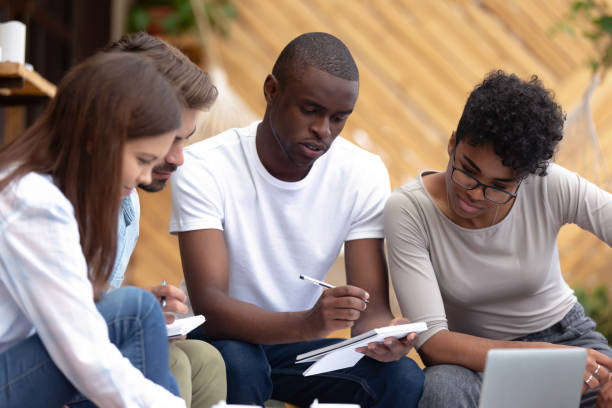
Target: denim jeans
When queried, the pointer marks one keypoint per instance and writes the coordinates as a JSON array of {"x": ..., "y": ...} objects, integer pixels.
[
  {"x": 257, "y": 373},
  {"x": 449, "y": 385},
  {"x": 29, "y": 378}
]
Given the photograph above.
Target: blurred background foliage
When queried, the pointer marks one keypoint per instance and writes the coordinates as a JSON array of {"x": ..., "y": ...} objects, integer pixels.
[
  {"x": 173, "y": 17},
  {"x": 597, "y": 305},
  {"x": 593, "y": 20}
]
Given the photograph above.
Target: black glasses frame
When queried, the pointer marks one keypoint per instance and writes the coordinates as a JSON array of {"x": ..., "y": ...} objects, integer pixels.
[{"x": 478, "y": 183}]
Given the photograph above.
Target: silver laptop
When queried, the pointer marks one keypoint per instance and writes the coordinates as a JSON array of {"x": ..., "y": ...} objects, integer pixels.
[{"x": 530, "y": 378}]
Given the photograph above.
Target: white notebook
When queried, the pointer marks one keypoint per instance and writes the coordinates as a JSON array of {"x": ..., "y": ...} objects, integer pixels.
[
  {"x": 181, "y": 327},
  {"x": 343, "y": 354}
]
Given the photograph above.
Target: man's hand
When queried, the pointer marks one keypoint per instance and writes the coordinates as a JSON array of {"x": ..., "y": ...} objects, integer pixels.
[
  {"x": 391, "y": 349},
  {"x": 175, "y": 300},
  {"x": 336, "y": 309}
]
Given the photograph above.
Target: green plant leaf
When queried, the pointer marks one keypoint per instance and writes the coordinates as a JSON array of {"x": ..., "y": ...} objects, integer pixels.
[
  {"x": 578, "y": 6},
  {"x": 605, "y": 23},
  {"x": 597, "y": 305},
  {"x": 138, "y": 19},
  {"x": 593, "y": 35}
]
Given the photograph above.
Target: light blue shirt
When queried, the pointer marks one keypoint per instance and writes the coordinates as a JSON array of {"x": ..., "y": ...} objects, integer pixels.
[{"x": 127, "y": 236}]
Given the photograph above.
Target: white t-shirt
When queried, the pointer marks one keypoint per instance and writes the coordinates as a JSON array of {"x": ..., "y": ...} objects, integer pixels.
[
  {"x": 44, "y": 289},
  {"x": 501, "y": 282},
  {"x": 276, "y": 230}
]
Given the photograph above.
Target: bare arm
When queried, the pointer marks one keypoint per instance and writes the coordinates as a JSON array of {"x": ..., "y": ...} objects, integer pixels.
[
  {"x": 366, "y": 268},
  {"x": 205, "y": 264},
  {"x": 446, "y": 347}
]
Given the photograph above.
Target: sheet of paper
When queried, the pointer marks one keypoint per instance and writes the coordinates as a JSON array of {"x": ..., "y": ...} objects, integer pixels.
[
  {"x": 180, "y": 327},
  {"x": 344, "y": 355}
]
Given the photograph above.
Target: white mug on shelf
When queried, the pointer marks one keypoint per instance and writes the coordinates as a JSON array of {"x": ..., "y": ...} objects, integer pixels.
[{"x": 13, "y": 41}]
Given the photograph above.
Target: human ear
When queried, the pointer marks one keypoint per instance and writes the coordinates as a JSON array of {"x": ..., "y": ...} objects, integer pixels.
[
  {"x": 271, "y": 88},
  {"x": 451, "y": 143}
]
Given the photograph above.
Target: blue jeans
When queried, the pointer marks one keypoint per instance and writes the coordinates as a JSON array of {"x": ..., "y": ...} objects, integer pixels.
[
  {"x": 449, "y": 385},
  {"x": 257, "y": 373},
  {"x": 136, "y": 325}
]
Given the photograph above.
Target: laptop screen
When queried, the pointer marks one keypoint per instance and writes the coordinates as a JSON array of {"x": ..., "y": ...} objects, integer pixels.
[{"x": 542, "y": 378}]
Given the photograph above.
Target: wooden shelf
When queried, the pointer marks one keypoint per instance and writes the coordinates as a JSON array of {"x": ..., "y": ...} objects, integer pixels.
[
  {"x": 18, "y": 83},
  {"x": 19, "y": 87}
]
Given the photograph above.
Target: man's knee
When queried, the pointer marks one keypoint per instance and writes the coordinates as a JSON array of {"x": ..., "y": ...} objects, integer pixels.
[
  {"x": 204, "y": 358},
  {"x": 248, "y": 371},
  {"x": 179, "y": 361},
  {"x": 450, "y": 385},
  {"x": 402, "y": 381},
  {"x": 207, "y": 371},
  {"x": 180, "y": 367},
  {"x": 243, "y": 358}
]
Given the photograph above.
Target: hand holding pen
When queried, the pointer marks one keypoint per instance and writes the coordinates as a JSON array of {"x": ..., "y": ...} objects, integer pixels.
[
  {"x": 171, "y": 299},
  {"x": 337, "y": 308},
  {"x": 322, "y": 284}
]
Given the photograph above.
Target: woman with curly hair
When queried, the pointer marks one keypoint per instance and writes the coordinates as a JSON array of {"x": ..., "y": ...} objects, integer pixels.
[{"x": 473, "y": 249}]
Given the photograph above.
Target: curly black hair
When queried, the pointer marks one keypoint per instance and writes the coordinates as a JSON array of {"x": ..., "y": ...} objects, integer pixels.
[{"x": 519, "y": 119}]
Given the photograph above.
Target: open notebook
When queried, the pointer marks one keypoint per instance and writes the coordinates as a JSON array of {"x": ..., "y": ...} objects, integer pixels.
[
  {"x": 181, "y": 327},
  {"x": 343, "y": 354}
]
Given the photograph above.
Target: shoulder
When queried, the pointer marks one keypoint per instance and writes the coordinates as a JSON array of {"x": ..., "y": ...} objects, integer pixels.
[
  {"x": 35, "y": 192},
  {"x": 349, "y": 159},
  {"x": 349, "y": 152},
  {"x": 410, "y": 196},
  {"x": 558, "y": 180},
  {"x": 38, "y": 189},
  {"x": 225, "y": 142}
]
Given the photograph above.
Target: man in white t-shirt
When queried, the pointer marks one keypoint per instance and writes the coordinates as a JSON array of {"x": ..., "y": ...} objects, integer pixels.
[{"x": 256, "y": 207}]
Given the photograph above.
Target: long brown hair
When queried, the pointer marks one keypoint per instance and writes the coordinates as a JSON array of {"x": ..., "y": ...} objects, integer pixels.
[{"x": 79, "y": 141}]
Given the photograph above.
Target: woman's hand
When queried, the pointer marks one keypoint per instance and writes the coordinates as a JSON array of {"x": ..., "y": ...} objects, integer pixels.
[
  {"x": 391, "y": 349},
  {"x": 597, "y": 373}
]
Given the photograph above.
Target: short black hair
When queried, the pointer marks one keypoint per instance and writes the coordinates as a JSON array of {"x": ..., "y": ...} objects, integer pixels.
[
  {"x": 319, "y": 50},
  {"x": 519, "y": 119}
]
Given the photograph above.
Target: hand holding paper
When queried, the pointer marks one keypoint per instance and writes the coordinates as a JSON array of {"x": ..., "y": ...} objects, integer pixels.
[
  {"x": 391, "y": 348},
  {"x": 181, "y": 327},
  {"x": 343, "y": 354}
]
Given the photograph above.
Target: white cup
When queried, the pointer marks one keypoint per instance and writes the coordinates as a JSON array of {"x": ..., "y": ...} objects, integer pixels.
[
  {"x": 316, "y": 404},
  {"x": 223, "y": 404},
  {"x": 13, "y": 41}
]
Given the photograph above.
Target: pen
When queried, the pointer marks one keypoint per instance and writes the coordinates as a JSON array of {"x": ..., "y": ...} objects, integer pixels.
[
  {"x": 163, "y": 298},
  {"x": 321, "y": 284}
]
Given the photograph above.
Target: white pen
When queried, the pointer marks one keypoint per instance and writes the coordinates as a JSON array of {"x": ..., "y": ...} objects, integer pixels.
[{"x": 321, "y": 284}]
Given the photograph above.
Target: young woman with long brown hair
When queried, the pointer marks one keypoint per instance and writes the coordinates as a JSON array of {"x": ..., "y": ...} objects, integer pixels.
[{"x": 61, "y": 184}]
